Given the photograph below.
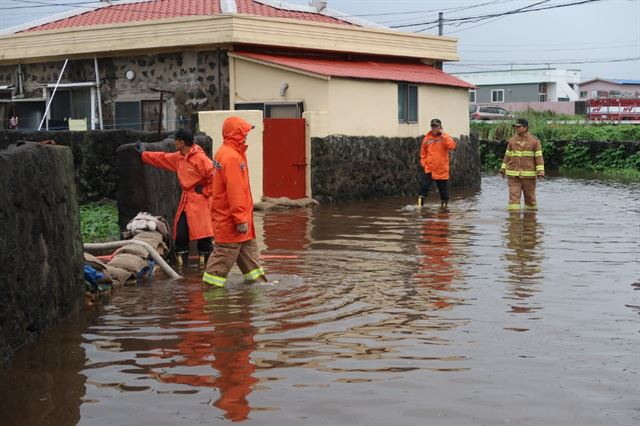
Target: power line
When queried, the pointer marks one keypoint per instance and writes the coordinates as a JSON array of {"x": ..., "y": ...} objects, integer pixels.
[
  {"x": 545, "y": 62},
  {"x": 524, "y": 9}
]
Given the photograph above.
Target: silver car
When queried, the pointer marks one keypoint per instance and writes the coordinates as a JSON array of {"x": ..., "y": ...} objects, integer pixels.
[{"x": 486, "y": 112}]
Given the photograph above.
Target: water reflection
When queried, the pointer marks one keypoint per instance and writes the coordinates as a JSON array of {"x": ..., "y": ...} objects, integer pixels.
[
  {"x": 227, "y": 348},
  {"x": 377, "y": 306},
  {"x": 437, "y": 270},
  {"x": 44, "y": 385},
  {"x": 523, "y": 236}
]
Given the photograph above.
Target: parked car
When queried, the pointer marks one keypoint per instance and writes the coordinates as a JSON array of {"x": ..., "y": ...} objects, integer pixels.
[{"x": 485, "y": 112}]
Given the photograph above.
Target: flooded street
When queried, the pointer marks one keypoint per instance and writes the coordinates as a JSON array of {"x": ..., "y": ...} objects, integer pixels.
[{"x": 381, "y": 315}]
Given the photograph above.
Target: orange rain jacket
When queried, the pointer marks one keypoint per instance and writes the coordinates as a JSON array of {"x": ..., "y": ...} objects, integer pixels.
[
  {"x": 192, "y": 169},
  {"x": 232, "y": 202},
  {"x": 434, "y": 155}
]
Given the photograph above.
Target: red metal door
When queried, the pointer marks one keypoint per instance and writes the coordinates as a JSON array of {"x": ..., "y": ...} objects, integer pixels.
[{"x": 284, "y": 156}]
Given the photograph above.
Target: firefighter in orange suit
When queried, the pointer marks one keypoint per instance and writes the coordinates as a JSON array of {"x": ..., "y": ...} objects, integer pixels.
[
  {"x": 434, "y": 159},
  {"x": 232, "y": 209},
  {"x": 195, "y": 174},
  {"x": 522, "y": 163}
]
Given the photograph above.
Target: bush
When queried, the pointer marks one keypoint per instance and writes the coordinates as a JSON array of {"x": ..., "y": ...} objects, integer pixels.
[{"x": 99, "y": 222}]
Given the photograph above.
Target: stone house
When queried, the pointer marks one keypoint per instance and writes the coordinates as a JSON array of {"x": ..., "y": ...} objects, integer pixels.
[{"x": 141, "y": 64}]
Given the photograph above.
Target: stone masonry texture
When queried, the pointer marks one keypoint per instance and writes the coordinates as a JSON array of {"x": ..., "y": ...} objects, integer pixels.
[
  {"x": 348, "y": 167},
  {"x": 41, "y": 277}
]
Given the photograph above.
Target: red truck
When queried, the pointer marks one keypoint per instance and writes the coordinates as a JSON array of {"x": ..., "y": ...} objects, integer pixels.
[{"x": 613, "y": 109}]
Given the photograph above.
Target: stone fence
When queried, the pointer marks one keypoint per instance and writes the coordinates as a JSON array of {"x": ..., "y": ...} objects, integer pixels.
[
  {"x": 41, "y": 277},
  {"x": 94, "y": 155},
  {"x": 347, "y": 167}
]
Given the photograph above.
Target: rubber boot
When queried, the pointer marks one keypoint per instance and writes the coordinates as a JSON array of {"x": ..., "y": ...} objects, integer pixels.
[
  {"x": 444, "y": 204},
  {"x": 420, "y": 200},
  {"x": 182, "y": 259},
  {"x": 203, "y": 259}
]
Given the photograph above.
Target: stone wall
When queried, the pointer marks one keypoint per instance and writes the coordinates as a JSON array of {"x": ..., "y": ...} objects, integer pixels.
[
  {"x": 94, "y": 156},
  {"x": 145, "y": 188},
  {"x": 347, "y": 167},
  {"x": 41, "y": 277},
  {"x": 198, "y": 81}
]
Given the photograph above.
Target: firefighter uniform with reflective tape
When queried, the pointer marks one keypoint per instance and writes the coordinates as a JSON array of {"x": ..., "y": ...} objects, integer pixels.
[
  {"x": 232, "y": 209},
  {"x": 522, "y": 163}
]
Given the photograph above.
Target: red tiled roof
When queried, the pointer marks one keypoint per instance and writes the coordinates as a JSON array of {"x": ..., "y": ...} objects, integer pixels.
[
  {"x": 251, "y": 7},
  {"x": 371, "y": 70},
  {"x": 163, "y": 9}
]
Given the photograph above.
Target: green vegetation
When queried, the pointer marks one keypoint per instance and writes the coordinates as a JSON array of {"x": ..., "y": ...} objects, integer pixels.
[
  {"x": 559, "y": 148},
  {"x": 571, "y": 130},
  {"x": 99, "y": 222}
]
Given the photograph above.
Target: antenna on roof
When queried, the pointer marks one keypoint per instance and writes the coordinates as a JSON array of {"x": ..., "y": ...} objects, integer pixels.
[{"x": 319, "y": 5}]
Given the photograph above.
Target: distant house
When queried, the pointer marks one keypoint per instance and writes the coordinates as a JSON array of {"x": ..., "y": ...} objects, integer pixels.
[
  {"x": 528, "y": 85},
  {"x": 609, "y": 88}
]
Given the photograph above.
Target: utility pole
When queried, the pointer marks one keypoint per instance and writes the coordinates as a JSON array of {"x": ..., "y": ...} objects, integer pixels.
[
  {"x": 438, "y": 64},
  {"x": 162, "y": 92}
]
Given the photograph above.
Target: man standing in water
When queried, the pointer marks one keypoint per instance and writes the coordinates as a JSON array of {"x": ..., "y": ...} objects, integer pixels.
[
  {"x": 195, "y": 174},
  {"x": 522, "y": 163},
  {"x": 232, "y": 209},
  {"x": 434, "y": 159}
]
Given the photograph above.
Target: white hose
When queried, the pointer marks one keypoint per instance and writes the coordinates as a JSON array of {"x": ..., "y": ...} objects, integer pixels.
[{"x": 154, "y": 254}]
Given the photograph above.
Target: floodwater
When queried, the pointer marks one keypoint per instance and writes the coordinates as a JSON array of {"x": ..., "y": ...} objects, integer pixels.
[{"x": 382, "y": 316}]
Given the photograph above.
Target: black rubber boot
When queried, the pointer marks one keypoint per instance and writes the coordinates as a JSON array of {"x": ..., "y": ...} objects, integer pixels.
[{"x": 203, "y": 258}]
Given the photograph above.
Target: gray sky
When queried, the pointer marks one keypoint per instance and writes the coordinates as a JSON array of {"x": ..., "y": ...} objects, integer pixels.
[{"x": 596, "y": 34}]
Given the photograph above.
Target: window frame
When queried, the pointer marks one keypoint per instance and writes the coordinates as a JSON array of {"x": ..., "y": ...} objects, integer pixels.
[
  {"x": 475, "y": 96},
  {"x": 266, "y": 106},
  {"x": 497, "y": 91},
  {"x": 116, "y": 125},
  {"x": 410, "y": 115}
]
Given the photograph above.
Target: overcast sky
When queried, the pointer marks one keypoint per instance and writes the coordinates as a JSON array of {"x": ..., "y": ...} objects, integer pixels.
[{"x": 595, "y": 36}]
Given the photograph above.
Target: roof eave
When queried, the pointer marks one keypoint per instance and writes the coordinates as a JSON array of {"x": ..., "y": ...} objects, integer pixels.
[{"x": 221, "y": 29}]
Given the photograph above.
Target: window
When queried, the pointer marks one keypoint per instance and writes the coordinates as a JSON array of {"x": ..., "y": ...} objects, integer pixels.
[
  {"x": 273, "y": 109},
  {"x": 472, "y": 96},
  {"x": 407, "y": 103},
  {"x": 128, "y": 115},
  {"x": 583, "y": 94},
  {"x": 497, "y": 95},
  {"x": 542, "y": 92}
]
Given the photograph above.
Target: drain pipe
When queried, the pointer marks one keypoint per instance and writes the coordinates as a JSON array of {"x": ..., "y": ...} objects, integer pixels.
[
  {"x": 19, "y": 79},
  {"x": 154, "y": 254},
  {"x": 95, "y": 63},
  {"x": 46, "y": 111}
]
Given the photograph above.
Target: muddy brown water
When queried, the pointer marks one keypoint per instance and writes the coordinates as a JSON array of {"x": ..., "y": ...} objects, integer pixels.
[{"x": 382, "y": 315}]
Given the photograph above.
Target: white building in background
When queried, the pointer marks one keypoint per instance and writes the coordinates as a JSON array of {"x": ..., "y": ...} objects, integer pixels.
[{"x": 523, "y": 86}]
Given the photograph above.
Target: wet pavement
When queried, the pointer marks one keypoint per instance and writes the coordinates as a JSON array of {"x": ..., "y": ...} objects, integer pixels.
[{"x": 382, "y": 315}]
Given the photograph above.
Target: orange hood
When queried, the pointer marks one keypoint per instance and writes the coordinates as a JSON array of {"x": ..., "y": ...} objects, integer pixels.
[{"x": 235, "y": 131}]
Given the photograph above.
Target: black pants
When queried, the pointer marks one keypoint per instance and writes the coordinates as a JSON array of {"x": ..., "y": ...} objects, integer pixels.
[
  {"x": 425, "y": 184},
  {"x": 182, "y": 237}
]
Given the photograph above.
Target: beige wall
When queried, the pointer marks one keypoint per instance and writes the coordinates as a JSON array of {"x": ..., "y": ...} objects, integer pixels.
[
  {"x": 211, "y": 123},
  {"x": 257, "y": 82},
  {"x": 370, "y": 108},
  {"x": 449, "y": 104}
]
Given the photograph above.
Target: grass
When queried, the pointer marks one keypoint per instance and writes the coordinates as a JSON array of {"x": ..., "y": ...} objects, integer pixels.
[
  {"x": 99, "y": 222},
  {"x": 539, "y": 126}
]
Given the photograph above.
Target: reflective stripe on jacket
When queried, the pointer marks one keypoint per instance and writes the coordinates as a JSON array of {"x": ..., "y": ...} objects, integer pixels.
[
  {"x": 434, "y": 155},
  {"x": 523, "y": 157},
  {"x": 192, "y": 169},
  {"x": 232, "y": 202}
]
